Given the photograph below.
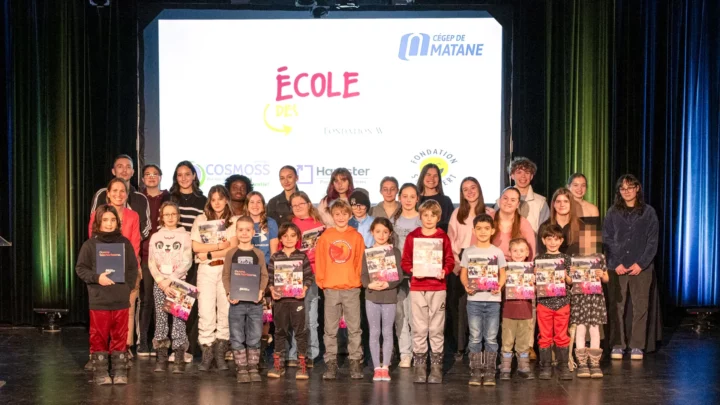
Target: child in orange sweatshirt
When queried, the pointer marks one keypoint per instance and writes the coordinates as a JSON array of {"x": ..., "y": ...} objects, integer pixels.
[{"x": 338, "y": 266}]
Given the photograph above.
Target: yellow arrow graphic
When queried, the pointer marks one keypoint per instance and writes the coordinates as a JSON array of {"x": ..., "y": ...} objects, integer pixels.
[{"x": 285, "y": 129}]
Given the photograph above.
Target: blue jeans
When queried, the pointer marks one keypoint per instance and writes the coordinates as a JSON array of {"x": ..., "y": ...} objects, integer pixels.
[
  {"x": 312, "y": 300},
  {"x": 245, "y": 325},
  {"x": 484, "y": 322}
]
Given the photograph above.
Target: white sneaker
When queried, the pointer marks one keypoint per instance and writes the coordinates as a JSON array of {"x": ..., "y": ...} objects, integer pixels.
[{"x": 405, "y": 361}]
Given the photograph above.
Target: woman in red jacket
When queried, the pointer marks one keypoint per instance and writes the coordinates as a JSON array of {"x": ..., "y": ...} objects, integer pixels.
[{"x": 117, "y": 195}]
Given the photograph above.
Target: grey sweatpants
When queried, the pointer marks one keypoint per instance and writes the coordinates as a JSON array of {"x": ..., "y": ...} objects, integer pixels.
[{"x": 428, "y": 320}]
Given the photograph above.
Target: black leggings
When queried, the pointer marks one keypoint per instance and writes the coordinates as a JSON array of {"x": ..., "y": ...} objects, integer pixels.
[{"x": 147, "y": 303}]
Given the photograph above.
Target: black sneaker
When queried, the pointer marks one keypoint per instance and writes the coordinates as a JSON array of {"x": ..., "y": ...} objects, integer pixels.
[{"x": 143, "y": 350}]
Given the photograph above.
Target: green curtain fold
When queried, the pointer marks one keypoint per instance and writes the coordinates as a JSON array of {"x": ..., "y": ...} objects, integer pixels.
[
  {"x": 578, "y": 111},
  {"x": 73, "y": 107}
]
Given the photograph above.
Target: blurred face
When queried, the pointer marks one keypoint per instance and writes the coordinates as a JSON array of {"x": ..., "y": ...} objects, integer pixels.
[
  {"x": 288, "y": 180},
  {"x": 341, "y": 217},
  {"x": 519, "y": 252},
  {"x": 300, "y": 207},
  {"x": 256, "y": 206},
  {"x": 408, "y": 199},
  {"x": 245, "y": 231},
  {"x": 628, "y": 192},
  {"x": 509, "y": 202},
  {"x": 381, "y": 234},
  {"x": 483, "y": 231},
  {"x": 578, "y": 187},
  {"x": 389, "y": 191},
  {"x": 429, "y": 220},
  {"x": 108, "y": 222},
  {"x": 290, "y": 238},
  {"x": 123, "y": 168},
  {"x": 552, "y": 243},
  {"x": 117, "y": 195},
  {"x": 341, "y": 184},
  {"x": 522, "y": 177},
  {"x": 218, "y": 203},
  {"x": 185, "y": 178},
  {"x": 431, "y": 179},
  {"x": 562, "y": 205},
  {"x": 359, "y": 210},
  {"x": 170, "y": 217},
  {"x": 151, "y": 177},
  {"x": 238, "y": 191},
  {"x": 470, "y": 191}
]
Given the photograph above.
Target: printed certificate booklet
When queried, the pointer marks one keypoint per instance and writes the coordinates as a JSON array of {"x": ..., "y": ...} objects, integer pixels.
[
  {"x": 550, "y": 278},
  {"x": 520, "y": 281},
  {"x": 288, "y": 278},
  {"x": 483, "y": 272},
  {"x": 185, "y": 296},
  {"x": 427, "y": 257},
  {"x": 110, "y": 259},
  {"x": 583, "y": 271},
  {"x": 381, "y": 263},
  {"x": 212, "y": 231},
  {"x": 310, "y": 237}
]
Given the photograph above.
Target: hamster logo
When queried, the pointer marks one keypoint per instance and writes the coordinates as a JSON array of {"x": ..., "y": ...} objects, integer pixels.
[{"x": 340, "y": 251}]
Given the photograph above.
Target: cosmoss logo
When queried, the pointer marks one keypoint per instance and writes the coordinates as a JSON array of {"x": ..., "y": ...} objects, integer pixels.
[
  {"x": 202, "y": 175},
  {"x": 217, "y": 172},
  {"x": 443, "y": 159}
]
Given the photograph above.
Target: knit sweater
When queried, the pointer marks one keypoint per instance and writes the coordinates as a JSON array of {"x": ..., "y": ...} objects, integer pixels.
[
  {"x": 111, "y": 297},
  {"x": 170, "y": 254}
]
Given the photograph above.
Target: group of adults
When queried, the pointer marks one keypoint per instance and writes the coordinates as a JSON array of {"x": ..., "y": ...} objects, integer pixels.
[{"x": 628, "y": 235}]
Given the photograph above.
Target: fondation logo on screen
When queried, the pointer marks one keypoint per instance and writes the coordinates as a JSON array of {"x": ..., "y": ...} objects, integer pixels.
[{"x": 415, "y": 45}]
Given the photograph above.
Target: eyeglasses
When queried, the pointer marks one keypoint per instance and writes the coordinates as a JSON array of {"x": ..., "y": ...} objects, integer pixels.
[
  {"x": 358, "y": 206},
  {"x": 389, "y": 190},
  {"x": 152, "y": 175},
  {"x": 627, "y": 189},
  {"x": 299, "y": 205},
  {"x": 174, "y": 214}
]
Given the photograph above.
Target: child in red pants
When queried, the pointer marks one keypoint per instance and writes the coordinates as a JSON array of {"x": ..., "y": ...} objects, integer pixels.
[
  {"x": 553, "y": 313},
  {"x": 109, "y": 302}
]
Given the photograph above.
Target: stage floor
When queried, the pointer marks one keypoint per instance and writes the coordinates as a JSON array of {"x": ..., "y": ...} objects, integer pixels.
[{"x": 47, "y": 369}]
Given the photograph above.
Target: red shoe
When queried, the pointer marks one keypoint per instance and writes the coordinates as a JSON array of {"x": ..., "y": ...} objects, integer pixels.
[
  {"x": 378, "y": 376},
  {"x": 386, "y": 374}
]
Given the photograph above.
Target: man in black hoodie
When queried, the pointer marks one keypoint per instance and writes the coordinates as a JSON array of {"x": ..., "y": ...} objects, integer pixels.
[{"x": 109, "y": 302}]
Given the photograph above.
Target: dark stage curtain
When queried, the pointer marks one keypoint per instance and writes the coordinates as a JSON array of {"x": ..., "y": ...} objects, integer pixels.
[
  {"x": 667, "y": 131},
  {"x": 72, "y": 105}
]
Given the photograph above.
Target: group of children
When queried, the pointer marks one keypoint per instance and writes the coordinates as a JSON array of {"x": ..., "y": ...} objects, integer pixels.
[{"x": 337, "y": 265}]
